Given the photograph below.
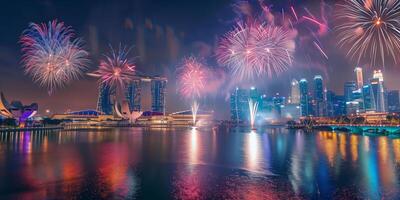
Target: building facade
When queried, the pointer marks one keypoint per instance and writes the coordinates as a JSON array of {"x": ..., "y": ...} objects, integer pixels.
[{"x": 158, "y": 91}]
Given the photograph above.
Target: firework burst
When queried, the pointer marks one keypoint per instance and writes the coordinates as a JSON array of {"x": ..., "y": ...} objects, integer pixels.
[
  {"x": 116, "y": 70},
  {"x": 192, "y": 78},
  {"x": 51, "y": 56},
  {"x": 254, "y": 49},
  {"x": 369, "y": 30}
]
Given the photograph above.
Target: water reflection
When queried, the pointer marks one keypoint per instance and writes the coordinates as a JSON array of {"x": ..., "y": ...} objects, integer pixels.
[
  {"x": 252, "y": 151},
  {"x": 193, "y": 164}
]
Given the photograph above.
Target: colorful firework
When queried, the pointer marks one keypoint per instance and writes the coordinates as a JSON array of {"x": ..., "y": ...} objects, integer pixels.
[
  {"x": 369, "y": 30},
  {"x": 51, "y": 56},
  {"x": 116, "y": 70},
  {"x": 192, "y": 78},
  {"x": 254, "y": 49}
]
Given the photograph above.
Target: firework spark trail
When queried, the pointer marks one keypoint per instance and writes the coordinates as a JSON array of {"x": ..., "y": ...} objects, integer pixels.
[
  {"x": 195, "y": 108},
  {"x": 320, "y": 49},
  {"x": 116, "y": 70},
  {"x": 294, "y": 13},
  {"x": 314, "y": 21},
  {"x": 51, "y": 56},
  {"x": 369, "y": 30},
  {"x": 253, "y": 49},
  {"x": 253, "y": 108}
]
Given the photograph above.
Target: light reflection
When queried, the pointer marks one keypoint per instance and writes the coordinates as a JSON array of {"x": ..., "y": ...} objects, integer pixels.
[
  {"x": 354, "y": 147},
  {"x": 328, "y": 142},
  {"x": 387, "y": 171},
  {"x": 252, "y": 151},
  {"x": 396, "y": 149},
  {"x": 193, "y": 147},
  {"x": 342, "y": 139}
]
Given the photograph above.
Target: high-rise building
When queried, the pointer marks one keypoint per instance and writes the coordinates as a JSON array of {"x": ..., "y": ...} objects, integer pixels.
[
  {"x": 359, "y": 76},
  {"x": 239, "y": 105},
  {"x": 349, "y": 87},
  {"x": 104, "y": 103},
  {"x": 378, "y": 75},
  {"x": 294, "y": 92},
  {"x": 336, "y": 106},
  {"x": 319, "y": 106},
  {"x": 158, "y": 91},
  {"x": 133, "y": 95},
  {"x": 304, "y": 98},
  {"x": 368, "y": 98},
  {"x": 378, "y": 92},
  {"x": 393, "y": 99}
]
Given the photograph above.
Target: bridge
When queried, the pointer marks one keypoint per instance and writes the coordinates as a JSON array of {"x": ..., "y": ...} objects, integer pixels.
[
  {"x": 361, "y": 128},
  {"x": 381, "y": 123}
]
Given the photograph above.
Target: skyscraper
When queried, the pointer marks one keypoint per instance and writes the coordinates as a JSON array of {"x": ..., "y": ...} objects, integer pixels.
[
  {"x": 368, "y": 98},
  {"x": 158, "y": 90},
  {"x": 133, "y": 95},
  {"x": 378, "y": 75},
  {"x": 294, "y": 92},
  {"x": 239, "y": 105},
  {"x": 104, "y": 103},
  {"x": 378, "y": 90},
  {"x": 349, "y": 87},
  {"x": 359, "y": 76},
  {"x": 304, "y": 98},
  {"x": 393, "y": 101},
  {"x": 319, "y": 96},
  {"x": 336, "y": 106}
]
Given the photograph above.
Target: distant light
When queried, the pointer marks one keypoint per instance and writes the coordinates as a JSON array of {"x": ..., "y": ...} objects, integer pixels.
[{"x": 253, "y": 88}]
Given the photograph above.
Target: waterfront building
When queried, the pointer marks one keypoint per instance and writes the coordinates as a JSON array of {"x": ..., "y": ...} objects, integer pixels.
[
  {"x": 239, "y": 105},
  {"x": 104, "y": 104},
  {"x": 359, "y": 77},
  {"x": 133, "y": 95},
  {"x": 158, "y": 91},
  {"x": 336, "y": 105},
  {"x": 393, "y": 101},
  {"x": 352, "y": 107},
  {"x": 291, "y": 111},
  {"x": 318, "y": 96},
  {"x": 17, "y": 110},
  {"x": 368, "y": 98},
  {"x": 358, "y": 97},
  {"x": 304, "y": 98},
  {"x": 349, "y": 87},
  {"x": 378, "y": 92},
  {"x": 294, "y": 92}
]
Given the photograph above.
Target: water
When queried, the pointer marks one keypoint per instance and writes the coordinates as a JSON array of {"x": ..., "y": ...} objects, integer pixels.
[{"x": 141, "y": 163}]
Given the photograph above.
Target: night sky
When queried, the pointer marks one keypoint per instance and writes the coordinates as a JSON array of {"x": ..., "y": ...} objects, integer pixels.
[{"x": 161, "y": 33}]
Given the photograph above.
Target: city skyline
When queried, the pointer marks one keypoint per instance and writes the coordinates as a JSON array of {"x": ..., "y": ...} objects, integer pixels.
[{"x": 16, "y": 85}]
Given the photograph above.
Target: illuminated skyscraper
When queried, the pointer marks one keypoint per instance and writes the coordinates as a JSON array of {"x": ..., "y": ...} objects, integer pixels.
[
  {"x": 359, "y": 75},
  {"x": 158, "y": 91},
  {"x": 239, "y": 105},
  {"x": 294, "y": 92},
  {"x": 378, "y": 75},
  {"x": 378, "y": 90},
  {"x": 104, "y": 103},
  {"x": 393, "y": 101},
  {"x": 133, "y": 95},
  {"x": 349, "y": 87},
  {"x": 319, "y": 96},
  {"x": 368, "y": 98},
  {"x": 304, "y": 98}
]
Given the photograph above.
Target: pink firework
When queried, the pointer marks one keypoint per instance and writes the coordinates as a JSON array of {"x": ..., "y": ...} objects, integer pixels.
[
  {"x": 254, "y": 49},
  {"x": 116, "y": 70},
  {"x": 51, "y": 56},
  {"x": 192, "y": 78}
]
